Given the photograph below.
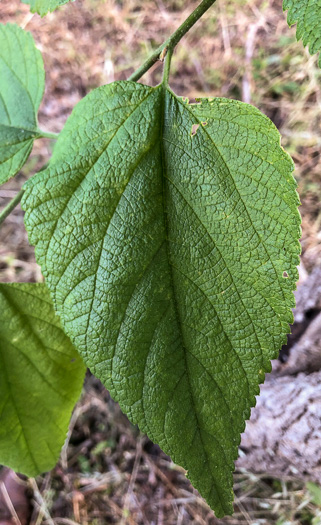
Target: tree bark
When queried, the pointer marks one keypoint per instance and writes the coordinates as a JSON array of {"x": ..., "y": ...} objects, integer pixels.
[{"x": 283, "y": 437}]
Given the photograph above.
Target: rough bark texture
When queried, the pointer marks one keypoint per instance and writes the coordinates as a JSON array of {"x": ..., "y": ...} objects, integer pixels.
[{"x": 283, "y": 438}]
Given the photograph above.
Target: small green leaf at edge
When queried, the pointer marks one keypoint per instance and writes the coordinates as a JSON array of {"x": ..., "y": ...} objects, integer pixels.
[
  {"x": 22, "y": 82},
  {"x": 168, "y": 236},
  {"x": 43, "y": 7},
  {"x": 41, "y": 377},
  {"x": 315, "y": 491},
  {"x": 307, "y": 15}
]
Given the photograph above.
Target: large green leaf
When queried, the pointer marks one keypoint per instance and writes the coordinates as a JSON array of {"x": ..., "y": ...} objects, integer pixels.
[
  {"x": 22, "y": 80},
  {"x": 41, "y": 377},
  {"x": 164, "y": 230},
  {"x": 42, "y": 7},
  {"x": 307, "y": 15}
]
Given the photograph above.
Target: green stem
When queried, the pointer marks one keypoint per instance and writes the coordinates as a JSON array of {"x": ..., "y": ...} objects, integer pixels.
[
  {"x": 47, "y": 135},
  {"x": 173, "y": 40},
  {"x": 167, "y": 66},
  {"x": 11, "y": 206}
]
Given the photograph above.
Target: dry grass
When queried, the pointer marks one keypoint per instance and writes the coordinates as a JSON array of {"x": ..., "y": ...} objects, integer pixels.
[{"x": 109, "y": 473}]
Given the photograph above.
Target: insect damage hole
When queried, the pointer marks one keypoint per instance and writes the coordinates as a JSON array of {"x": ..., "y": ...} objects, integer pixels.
[{"x": 194, "y": 129}]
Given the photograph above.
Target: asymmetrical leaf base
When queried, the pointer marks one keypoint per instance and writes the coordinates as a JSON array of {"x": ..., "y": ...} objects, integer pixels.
[{"x": 168, "y": 235}]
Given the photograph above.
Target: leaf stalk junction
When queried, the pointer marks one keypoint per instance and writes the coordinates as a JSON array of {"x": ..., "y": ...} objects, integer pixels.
[
  {"x": 166, "y": 49},
  {"x": 173, "y": 40}
]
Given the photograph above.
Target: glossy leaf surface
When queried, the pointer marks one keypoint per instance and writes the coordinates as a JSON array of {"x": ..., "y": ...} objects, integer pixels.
[
  {"x": 41, "y": 377},
  {"x": 164, "y": 230}
]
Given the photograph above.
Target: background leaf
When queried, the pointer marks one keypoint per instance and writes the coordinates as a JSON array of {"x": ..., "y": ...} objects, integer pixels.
[
  {"x": 22, "y": 81},
  {"x": 164, "y": 230},
  {"x": 42, "y": 7},
  {"x": 307, "y": 15},
  {"x": 41, "y": 377}
]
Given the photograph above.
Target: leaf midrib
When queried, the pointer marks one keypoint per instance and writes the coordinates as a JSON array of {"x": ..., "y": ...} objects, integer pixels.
[
  {"x": 25, "y": 88},
  {"x": 17, "y": 411},
  {"x": 165, "y": 93},
  {"x": 15, "y": 405},
  {"x": 16, "y": 307},
  {"x": 22, "y": 128},
  {"x": 219, "y": 251},
  {"x": 239, "y": 194}
]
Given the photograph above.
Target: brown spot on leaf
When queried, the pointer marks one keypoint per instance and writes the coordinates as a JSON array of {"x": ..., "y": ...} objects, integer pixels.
[{"x": 194, "y": 129}]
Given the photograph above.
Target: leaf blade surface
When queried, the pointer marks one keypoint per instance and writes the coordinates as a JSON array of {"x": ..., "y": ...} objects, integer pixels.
[
  {"x": 307, "y": 15},
  {"x": 144, "y": 237},
  {"x": 21, "y": 91},
  {"x": 41, "y": 377},
  {"x": 43, "y": 7}
]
